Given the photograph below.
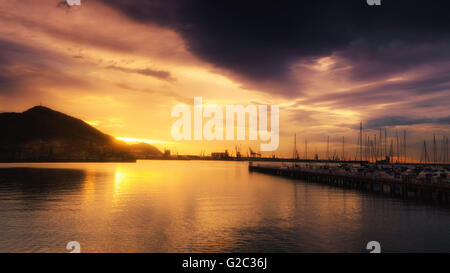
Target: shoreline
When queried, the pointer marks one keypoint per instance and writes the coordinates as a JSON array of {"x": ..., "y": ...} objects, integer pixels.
[{"x": 246, "y": 159}]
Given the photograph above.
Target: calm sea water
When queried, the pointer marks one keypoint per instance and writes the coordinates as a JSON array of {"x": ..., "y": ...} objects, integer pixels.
[{"x": 197, "y": 206}]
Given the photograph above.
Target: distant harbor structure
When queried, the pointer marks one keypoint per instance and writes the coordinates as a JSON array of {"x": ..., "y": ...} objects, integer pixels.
[
  {"x": 380, "y": 165},
  {"x": 374, "y": 146},
  {"x": 219, "y": 156},
  {"x": 428, "y": 185}
]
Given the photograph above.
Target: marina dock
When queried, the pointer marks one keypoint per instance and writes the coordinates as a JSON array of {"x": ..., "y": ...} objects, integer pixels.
[{"x": 426, "y": 192}]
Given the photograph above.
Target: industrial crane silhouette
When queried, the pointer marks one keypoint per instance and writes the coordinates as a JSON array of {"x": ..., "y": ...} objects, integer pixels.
[{"x": 253, "y": 154}]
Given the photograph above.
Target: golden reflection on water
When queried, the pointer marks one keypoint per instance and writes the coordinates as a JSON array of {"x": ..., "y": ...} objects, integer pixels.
[
  {"x": 195, "y": 206},
  {"x": 89, "y": 186}
]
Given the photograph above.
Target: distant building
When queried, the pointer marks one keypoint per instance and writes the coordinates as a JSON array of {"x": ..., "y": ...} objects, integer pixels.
[
  {"x": 224, "y": 155},
  {"x": 386, "y": 160}
]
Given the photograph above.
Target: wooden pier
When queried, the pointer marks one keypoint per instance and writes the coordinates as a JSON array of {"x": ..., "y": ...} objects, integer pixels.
[{"x": 431, "y": 193}]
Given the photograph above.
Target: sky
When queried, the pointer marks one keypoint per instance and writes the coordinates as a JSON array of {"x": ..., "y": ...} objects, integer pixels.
[{"x": 122, "y": 65}]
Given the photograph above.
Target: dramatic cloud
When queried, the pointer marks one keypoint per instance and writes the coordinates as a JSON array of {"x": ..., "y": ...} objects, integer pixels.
[
  {"x": 262, "y": 40},
  {"x": 327, "y": 64},
  {"x": 24, "y": 69},
  {"x": 164, "y": 75},
  {"x": 429, "y": 82},
  {"x": 403, "y": 120}
]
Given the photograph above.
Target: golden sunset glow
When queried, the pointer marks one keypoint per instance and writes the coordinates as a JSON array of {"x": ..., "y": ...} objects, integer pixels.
[
  {"x": 123, "y": 77},
  {"x": 224, "y": 127},
  {"x": 137, "y": 140}
]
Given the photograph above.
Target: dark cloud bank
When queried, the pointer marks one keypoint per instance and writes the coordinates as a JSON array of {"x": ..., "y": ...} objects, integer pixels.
[
  {"x": 260, "y": 40},
  {"x": 404, "y": 120}
]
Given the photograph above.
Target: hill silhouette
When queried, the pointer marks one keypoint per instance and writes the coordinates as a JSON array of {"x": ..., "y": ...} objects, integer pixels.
[{"x": 42, "y": 134}]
